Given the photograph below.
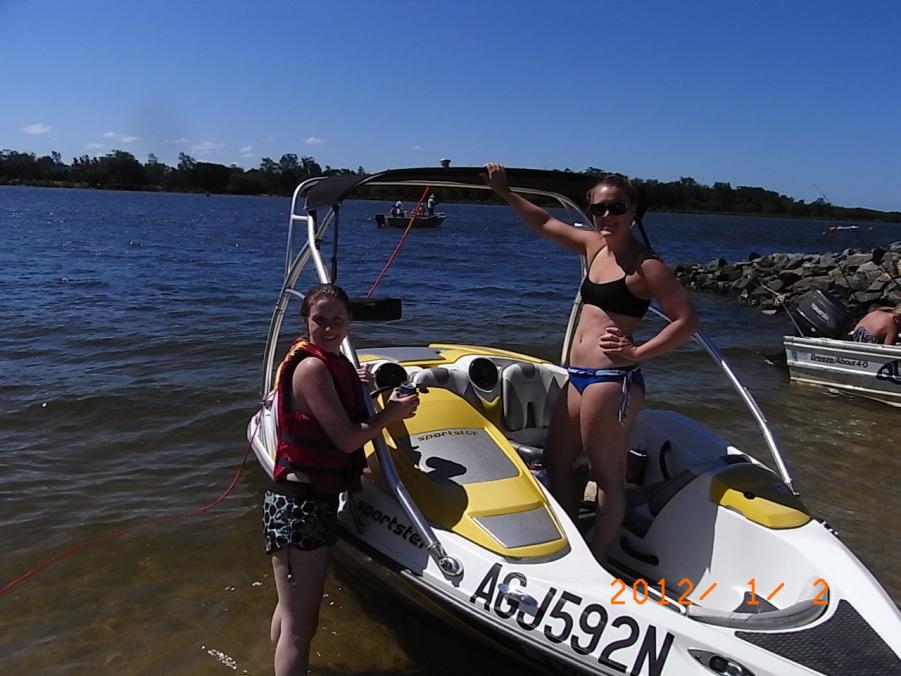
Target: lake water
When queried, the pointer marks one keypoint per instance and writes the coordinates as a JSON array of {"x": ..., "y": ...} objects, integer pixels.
[{"x": 133, "y": 326}]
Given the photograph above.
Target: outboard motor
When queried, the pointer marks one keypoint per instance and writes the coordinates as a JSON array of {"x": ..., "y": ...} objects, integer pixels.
[{"x": 819, "y": 314}]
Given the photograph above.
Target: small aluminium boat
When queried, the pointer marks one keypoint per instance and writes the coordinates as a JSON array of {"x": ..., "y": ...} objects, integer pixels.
[
  {"x": 719, "y": 567},
  {"x": 861, "y": 369},
  {"x": 418, "y": 221},
  {"x": 821, "y": 356}
]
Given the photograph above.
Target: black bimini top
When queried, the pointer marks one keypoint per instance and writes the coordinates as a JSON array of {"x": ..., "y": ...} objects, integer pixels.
[{"x": 334, "y": 189}]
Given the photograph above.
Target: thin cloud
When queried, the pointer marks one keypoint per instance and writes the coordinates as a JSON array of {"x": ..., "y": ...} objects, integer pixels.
[
  {"x": 315, "y": 141},
  {"x": 121, "y": 138},
  {"x": 178, "y": 141},
  {"x": 417, "y": 147},
  {"x": 94, "y": 146},
  {"x": 206, "y": 147},
  {"x": 37, "y": 128}
]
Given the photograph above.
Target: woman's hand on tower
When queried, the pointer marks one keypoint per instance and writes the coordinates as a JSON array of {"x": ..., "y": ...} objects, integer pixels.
[{"x": 496, "y": 177}]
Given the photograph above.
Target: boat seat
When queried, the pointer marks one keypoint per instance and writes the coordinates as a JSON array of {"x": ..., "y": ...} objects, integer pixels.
[
  {"x": 528, "y": 394},
  {"x": 645, "y": 503},
  {"x": 453, "y": 380}
]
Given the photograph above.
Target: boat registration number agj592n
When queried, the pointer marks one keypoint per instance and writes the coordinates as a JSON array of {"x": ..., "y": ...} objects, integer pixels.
[{"x": 563, "y": 617}]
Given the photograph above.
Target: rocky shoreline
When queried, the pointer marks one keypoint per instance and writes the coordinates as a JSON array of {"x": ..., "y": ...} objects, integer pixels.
[{"x": 861, "y": 278}]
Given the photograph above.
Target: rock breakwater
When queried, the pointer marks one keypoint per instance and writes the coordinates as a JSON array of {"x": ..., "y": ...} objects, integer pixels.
[{"x": 862, "y": 278}]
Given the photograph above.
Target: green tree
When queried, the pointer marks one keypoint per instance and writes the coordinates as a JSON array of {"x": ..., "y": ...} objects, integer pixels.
[
  {"x": 211, "y": 177},
  {"x": 155, "y": 171},
  {"x": 120, "y": 169}
]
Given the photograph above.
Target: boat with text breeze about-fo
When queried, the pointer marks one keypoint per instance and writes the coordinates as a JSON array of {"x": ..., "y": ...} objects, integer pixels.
[
  {"x": 867, "y": 370},
  {"x": 824, "y": 354},
  {"x": 719, "y": 568}
]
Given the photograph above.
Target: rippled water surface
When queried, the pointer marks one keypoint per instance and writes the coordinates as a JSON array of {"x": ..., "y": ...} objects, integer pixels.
[{"x": 132, "y": 333}]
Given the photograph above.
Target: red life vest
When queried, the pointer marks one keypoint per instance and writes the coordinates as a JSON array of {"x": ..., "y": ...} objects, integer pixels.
[{"x": 303, "y": 445}]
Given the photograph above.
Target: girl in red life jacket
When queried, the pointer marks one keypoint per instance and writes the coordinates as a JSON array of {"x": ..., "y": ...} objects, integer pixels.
[{"x": 322, "y": 427}]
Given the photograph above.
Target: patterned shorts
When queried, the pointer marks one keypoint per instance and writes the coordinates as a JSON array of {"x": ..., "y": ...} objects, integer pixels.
[{"x": 303, "y": 521}]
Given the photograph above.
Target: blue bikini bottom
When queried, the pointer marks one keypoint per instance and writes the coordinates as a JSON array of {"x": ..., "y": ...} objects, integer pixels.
[{"x": 580, "y": 378}]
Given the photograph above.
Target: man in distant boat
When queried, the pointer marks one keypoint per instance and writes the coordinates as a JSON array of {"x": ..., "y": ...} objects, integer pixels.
[
  {"x": 397, "y": 209},
  {"x": 881, "y": 326},
  {"x": 431, "y": 204}
]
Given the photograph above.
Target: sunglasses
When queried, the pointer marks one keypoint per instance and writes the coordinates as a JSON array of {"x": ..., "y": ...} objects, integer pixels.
[{"x": 601, "y": 208}]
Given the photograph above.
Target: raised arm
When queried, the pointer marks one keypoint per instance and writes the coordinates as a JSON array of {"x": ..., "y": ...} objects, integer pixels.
[
  {"x": 314, "y": 391},
  {"x": 534, "y": 216}
]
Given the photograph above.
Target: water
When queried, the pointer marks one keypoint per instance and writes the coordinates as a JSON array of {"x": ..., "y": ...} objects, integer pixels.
[{"x": 133, "y": 329}]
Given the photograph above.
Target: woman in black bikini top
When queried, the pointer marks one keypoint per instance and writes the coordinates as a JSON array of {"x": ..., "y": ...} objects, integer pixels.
[
  {"x": 614, "y": 296},
  {"x": 596, "y": 413}
]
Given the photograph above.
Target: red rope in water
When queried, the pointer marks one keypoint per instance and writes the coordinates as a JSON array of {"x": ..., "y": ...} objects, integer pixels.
[
  {"x": 400, "y": 243},
  {"x": 124, "y": 531}
]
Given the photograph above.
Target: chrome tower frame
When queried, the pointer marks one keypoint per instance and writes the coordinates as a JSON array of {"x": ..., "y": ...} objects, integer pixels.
[{"x": 295, "y": 263}]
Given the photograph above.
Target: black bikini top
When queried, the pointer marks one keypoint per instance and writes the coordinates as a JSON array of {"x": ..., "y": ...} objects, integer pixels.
[{"x": 613, "y": 297}]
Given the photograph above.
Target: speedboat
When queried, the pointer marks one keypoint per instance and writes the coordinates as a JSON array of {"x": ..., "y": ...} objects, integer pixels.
[
  {"x": 823, "y": 354},
  {"x": 410, "y": 219},
  {"x": 719, "y": 568}
]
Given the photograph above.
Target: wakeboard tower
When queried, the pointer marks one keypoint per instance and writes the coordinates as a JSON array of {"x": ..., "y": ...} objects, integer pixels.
[{"x": 718, "y": 568}]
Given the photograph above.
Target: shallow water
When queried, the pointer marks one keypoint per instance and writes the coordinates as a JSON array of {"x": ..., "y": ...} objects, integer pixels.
[{"x": 133, "y": 330}]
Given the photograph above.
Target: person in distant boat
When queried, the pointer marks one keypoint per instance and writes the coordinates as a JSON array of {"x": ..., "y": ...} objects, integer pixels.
[
  {"x": 431, "y": 204},
  {"x": 397, "y": 209},
  {"x": 322, "y": 426},
  {"x": 880, "y": 326},
  {"x": 595, "y": 413}
]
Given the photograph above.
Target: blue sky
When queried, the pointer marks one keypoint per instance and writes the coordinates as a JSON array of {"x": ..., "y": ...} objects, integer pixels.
[{"x": 799, "y": 96}]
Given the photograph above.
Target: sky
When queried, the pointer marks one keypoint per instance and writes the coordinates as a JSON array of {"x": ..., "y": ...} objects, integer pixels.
[{"x": 798, "y": 96}]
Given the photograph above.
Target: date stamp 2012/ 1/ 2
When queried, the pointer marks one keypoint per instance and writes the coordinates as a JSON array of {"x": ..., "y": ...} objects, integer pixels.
[{"x": 657, "y": 592}]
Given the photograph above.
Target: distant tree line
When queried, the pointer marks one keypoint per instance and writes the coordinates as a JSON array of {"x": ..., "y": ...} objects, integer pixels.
[
  {"x": 686, "y": 194},
  {"x": 121, "y": 170}
]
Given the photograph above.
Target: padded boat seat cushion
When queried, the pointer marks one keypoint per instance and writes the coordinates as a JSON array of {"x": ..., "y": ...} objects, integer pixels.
[
  {"x": 450, "y": 379},
  {"x": 529, "y": 392},
  {"x": 645, "y": 503}
]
